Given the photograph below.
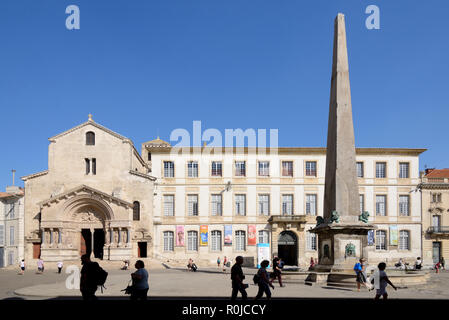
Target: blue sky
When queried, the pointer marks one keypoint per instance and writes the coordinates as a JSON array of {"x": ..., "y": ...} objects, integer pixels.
[{"x": 151, "y": 66}]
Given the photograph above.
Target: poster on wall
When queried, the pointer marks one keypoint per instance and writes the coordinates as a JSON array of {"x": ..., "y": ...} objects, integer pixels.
[
  {"x": 203, "y": 236},
  {"x": 263, "y": 253},
  {"x": 228, "y": 235},
  {"x": 394, "y": 235},
  {"x": 252, "y": 235},
  {"x": 371, "y": 237},
  {"x": 180, "y": 236}
]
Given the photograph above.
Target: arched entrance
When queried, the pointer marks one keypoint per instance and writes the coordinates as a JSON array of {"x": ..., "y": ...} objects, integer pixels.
[{"x": 288, "y": 248}]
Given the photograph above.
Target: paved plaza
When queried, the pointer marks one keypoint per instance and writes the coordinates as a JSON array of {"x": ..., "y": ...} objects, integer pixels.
[{"x": 176, "y": 282}]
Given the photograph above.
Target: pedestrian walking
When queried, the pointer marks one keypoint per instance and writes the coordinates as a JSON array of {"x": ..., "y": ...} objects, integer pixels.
[
  {"x": 140, "y": 282},
  {"x": 437, "y": 267},
  {"x": 312, "y": 264},
  {"x": 225, "y": 261},
  {"x": 40, "y": 266},
  {"x": 276, "y": 272},
  {"x": 218, "y": 262},
  {"x": 263, "y": 281},
  {"x": 380, "y": 280},
  {"x": 60, "y": 264},
  {"x": 22, "y": 266},
  {"x": 442, "y": 262},
  {"x": 237, "y": 278},
  {"x": 92, "y": 276},
  {"x": 360, "y": 271}
]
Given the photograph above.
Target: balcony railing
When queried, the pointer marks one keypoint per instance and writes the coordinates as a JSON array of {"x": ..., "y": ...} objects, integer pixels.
[{"x": 438, "y": 230}]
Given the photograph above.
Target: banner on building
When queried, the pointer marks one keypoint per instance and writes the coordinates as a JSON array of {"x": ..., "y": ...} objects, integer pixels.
[
  {"x": 228, "y": 235},
  {"x": 252, "y": 241},
  {"x": 393, "y": 235},
  {"x": 180, "y": 236},
  {"x": 203, "y": 236},
  {"x": 263, "y": 253},
  {"x": 371, "y": 237}
]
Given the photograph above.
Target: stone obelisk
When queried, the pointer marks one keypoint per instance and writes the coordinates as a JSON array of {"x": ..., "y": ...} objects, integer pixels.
[{"x": 342, "y": 230}]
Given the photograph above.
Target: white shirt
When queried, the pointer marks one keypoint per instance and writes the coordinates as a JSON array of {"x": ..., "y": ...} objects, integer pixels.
[
  {"x": 22, "y": 264},
  {"x": 60, "y": 264}
]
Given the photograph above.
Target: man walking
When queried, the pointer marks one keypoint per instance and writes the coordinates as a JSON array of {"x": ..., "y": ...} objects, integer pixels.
[
  {"x": 237, "y": 277},
  {"x": 88, "y": 281},
  {"x": 381, "y": 281}
]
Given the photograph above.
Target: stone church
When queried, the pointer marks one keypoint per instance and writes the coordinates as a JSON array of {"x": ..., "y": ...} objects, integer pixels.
[{"x": 95, "y": 198}]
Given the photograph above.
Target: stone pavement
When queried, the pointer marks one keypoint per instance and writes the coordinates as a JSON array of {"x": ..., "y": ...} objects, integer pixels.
[{"x": 207, "y": 282}]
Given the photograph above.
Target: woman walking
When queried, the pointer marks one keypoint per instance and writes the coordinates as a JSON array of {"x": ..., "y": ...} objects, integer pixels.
[
  {"x": 140, "y": 282},
  {"x": 264, "y": 281},
  {"x": 22, "y": 267},
  {"x": 276, "y": 272},
  {"x": 360, "y": 270}
]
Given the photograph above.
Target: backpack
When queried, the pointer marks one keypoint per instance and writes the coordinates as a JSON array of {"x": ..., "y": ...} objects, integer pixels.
[
  {"x": 256, "y": 278},
  {"x": 100, "y": 277}
]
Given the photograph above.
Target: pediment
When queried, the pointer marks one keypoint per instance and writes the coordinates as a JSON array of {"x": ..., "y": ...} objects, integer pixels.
[{"x": 84, "y": 190}]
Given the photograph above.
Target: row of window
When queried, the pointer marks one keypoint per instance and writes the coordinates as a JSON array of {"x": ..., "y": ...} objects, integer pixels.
[
  {"x": 381, "y": 170},
  {"x": 287, "y": 169},
  {"x": 403, "y": 243},
  {"x": 240, "y": 204},
  {"x": 12, "y": 241},
  {"x": 263, "y": 204},
  {"x": 216, "y": 240},
  {"x": 239, "y": 169}
]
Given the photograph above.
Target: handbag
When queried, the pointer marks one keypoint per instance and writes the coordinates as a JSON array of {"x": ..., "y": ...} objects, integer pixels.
[{"x": 130, "y": 288}]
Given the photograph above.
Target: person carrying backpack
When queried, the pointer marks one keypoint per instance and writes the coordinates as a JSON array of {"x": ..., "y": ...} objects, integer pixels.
[
  {"x": 92, "y": 276},
  {"x": 263, "y": 281}
]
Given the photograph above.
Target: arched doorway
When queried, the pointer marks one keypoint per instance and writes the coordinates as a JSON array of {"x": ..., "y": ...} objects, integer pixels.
[{"x": 288, "y": 248}]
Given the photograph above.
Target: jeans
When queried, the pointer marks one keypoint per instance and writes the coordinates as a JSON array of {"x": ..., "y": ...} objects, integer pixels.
[{"x": 263, "y": 287}]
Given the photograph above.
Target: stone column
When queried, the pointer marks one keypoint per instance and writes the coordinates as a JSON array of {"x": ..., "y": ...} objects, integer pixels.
[
  {"x": 107, "y": 237},
  {"x": 119, "y": 235},
  {"x": 92, "y": 240}
]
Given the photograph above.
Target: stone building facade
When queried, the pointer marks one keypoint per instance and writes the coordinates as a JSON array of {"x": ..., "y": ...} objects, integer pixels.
[
  {"x": 95, "y": 197},
  {"x": 239, "y": 201},
  {"x": 435, "y": 211},
  {"x": 11, "y": 226}
]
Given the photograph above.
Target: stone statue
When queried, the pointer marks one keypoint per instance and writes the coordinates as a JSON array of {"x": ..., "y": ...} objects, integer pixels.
[
  {"x": 335, "y": 217},
  {"x": 364, "y": 217},
  {"x": 326, "y": 251},
  {"x": 319, "y": 220},
  {"x": 350, "y": 250},
  {"x": 115, "y": 236}
]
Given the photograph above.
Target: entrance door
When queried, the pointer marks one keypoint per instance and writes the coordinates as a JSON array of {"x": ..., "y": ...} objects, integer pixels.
[
  {"x": 436, "y": 251},
  {"x": 98, "y": 243},
  {"x": 86, "y": 242},
  {"x": 142, "y": 249},
  {"x": 288, "y": 248},
  {"x": 36, "y": 250}
]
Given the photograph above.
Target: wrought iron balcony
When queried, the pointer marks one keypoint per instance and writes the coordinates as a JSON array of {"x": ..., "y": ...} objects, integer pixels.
[{"x": 438, "y": 230}]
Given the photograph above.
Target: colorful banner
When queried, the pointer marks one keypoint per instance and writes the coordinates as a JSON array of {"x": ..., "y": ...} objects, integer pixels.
[
  {"x": 180, "y": 236},
  {"x": 203, "y": 236},
  {"x": 228, "y": 235},
  {"x": 371, "y": 237},
  {"x": 394, "y": 235},
  {"x": 263, "y": 253},
  {"x": 252, "y": 239}
]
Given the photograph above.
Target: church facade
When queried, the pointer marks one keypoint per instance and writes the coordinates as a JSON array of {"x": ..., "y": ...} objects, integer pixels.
[{"x": 95, "y": 198}]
